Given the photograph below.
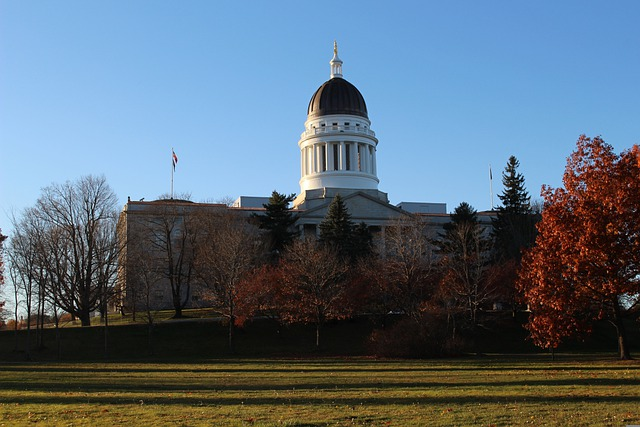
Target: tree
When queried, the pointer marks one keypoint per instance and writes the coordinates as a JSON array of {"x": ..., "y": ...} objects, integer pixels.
[
  {"x": 337, "y": 230},
  {"x": 171, "y": 234},
  {"x": 229, "y": 250},
  {"x": 2, "y": 239},
  {"x": 514, "y": 226},
  {"x": 515, "y": 198},
  {"x": 464, "y": 213},
  {"x": 362, "y": 241},
  {"x": 465, "y": 253},
  {"x": 260, "y": 293},
  {"x": 408, "y": 271},
  {"x": 143, "y": 282},
  {"x": 26, "y": 266},
  {"x": 314, "y": 284},
  {"x": 278, "y": 221},
  {"x": 585, "y": 265},
  {"x": 78, "y": 243}
]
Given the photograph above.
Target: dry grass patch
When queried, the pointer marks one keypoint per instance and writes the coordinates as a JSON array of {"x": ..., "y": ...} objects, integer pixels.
[{"x": 488, "y": 392}]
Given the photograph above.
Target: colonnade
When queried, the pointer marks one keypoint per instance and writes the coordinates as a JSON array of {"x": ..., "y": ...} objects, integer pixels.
[{"x": 338, "y": 156}]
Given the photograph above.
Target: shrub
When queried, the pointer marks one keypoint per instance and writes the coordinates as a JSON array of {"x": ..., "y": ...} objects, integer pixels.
[{"x": 407, "y": 338}]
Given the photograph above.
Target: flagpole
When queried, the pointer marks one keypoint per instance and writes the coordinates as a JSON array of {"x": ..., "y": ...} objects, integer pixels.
[
  {"x": 491, "y": 186},
  {"x": 173, "y": 168}
]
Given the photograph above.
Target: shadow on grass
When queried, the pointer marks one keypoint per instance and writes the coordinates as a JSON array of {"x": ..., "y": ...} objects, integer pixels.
[
  {"x": 128, "y": 385},
  {"x": 532, "y": 363},
  {"x": 309, "y": 400}
]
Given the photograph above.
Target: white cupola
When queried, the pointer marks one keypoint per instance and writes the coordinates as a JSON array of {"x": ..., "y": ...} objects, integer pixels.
[{"x": 338, "y": 147}]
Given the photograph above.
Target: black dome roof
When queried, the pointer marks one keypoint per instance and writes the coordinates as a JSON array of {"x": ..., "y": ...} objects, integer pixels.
[{"x": 337, "y": 96}]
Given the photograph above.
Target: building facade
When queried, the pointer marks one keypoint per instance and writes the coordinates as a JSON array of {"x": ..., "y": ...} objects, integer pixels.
[{"x": 338, "y": 155}]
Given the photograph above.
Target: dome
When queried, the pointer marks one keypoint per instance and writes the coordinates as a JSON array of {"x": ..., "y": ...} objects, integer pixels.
[{"x": 337, "y": 96}]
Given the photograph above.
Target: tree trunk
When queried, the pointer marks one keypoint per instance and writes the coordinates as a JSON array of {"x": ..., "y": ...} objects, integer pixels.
[
  {"x": 15, "y": 324},
  {"x": 318, "y": 327},
  {"x": 106, "y": 331},
  {"x": 58, "y": 341},
  {"x": 40, "y": 323},
  {"x": 150, "y": 326},
  {"x": 27, "y": 346},
  {"x": 618, "y": 322},
  {"x": 85, "y": 317},
  {"x": 56, "y": 319},
  {"x": 231, "y": 327}
]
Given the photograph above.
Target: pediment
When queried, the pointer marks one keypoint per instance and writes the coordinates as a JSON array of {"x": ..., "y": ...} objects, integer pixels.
[{"x": 362, "y": 208}]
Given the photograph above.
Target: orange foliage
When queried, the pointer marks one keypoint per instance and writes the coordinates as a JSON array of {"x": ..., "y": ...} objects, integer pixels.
[
  {"x": 587, "y": 254},
  {"x": 259, "y": 293}
]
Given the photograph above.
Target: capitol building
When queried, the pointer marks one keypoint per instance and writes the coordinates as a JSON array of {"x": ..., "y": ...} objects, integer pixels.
[
  {"x": 338, "y": 155},
  {"x": 338, "y": 151}
]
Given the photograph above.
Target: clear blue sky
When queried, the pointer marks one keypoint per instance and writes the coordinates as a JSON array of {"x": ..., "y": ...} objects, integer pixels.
[{"x": 108, "y": 87}]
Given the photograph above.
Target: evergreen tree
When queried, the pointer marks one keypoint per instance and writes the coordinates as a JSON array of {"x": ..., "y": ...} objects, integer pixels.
[
  {"x": 362, "y": 239},
  {"x": 515, "y": 198},
  {"x": 337, "y": 228},
  {"x": 278, "y": 221},
  {"x": 464, "y": 265},
  {"x": 514, "y": 226},
  {"x": 338, "y": 231},
  {"x": 464, "y": 219}
]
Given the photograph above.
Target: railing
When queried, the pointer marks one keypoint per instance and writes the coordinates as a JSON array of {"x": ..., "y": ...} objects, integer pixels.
[{"x": 337, "y": 128}]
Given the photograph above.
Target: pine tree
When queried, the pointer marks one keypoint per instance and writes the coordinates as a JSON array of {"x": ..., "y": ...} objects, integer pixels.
[
  {"x": 515, "y": 198},
  {"x": 514, "y": 226},
  {"x": 464, "y": 218},
  {"x": 278, "y": 221},
  {"x": 337, "y": 228},
  {"x": 362, "y": 241},
  {"x": 464, "y": 264}
]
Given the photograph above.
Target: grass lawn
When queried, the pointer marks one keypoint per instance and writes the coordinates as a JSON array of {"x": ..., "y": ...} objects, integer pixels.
[{"x": 500, "y": 391}]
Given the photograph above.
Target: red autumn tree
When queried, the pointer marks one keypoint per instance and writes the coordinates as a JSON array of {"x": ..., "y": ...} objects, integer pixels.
[
  {"x": 314, "y": 287},
  {"x": 260, "y": 294},
  {"x": 585, "y": 265}
]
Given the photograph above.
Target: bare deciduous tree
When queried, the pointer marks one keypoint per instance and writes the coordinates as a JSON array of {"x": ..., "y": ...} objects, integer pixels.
[
  {"x": 408, "y": 266},
  {"x": 229, "y": 249},
  {"x": 169, "y": 238},
  {"x": 466, "y": 271},
  {"x": 79, "y": 246}
]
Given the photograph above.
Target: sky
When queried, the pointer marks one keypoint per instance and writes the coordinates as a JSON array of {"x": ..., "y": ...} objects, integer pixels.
[{"x": 109, "y": 88}]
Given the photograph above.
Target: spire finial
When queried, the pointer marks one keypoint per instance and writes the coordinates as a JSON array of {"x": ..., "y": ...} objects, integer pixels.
[{"x": 336, "y": 63}]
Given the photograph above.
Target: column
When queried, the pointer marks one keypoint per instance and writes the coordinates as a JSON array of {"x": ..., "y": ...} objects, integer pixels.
[
  {"x": 374, "y": 164},
  {"x": 329, "y": 149}
]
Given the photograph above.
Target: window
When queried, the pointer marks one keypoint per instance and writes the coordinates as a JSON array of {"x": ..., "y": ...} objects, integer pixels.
[
  {"x": 336, "y": 157},
  {"x": 323, "y": 149},
  {"x": 347, "y": 152}
]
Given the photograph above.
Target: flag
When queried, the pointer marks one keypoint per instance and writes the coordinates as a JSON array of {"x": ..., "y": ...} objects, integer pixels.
[
  {"x": 490, "y": 174},
  {"x": 174, "y": 159}
]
